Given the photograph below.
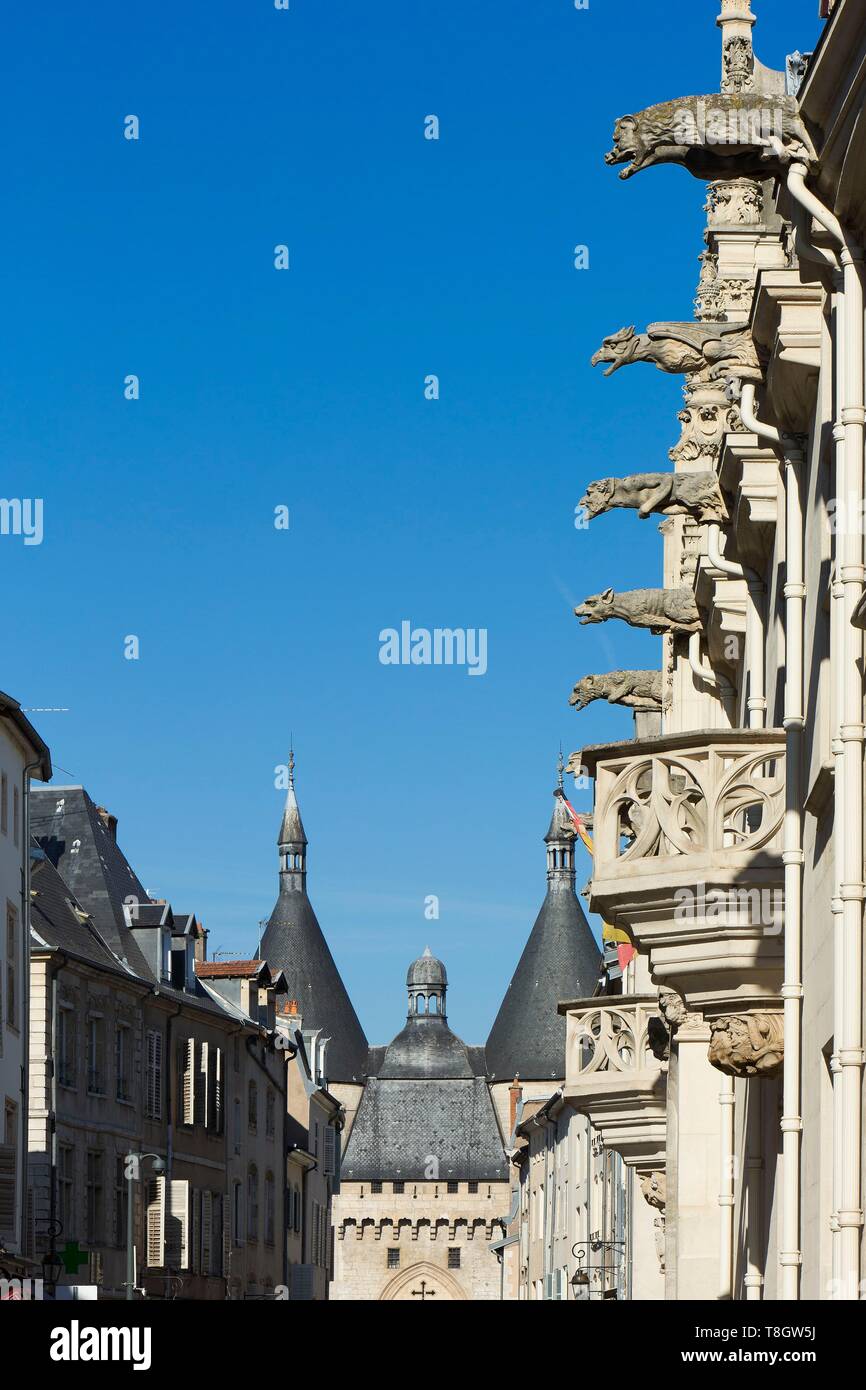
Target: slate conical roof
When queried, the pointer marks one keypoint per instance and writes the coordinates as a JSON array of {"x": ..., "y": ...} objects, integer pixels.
[
  {"x": 294, "y": 943},
  {"x": 560, "y": 961}
]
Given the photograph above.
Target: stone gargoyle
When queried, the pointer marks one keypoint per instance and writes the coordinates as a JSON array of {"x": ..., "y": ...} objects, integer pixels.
[
  {"x": 750, "y": 1044},
  {"x": 720, "y": 136},
  {"x": 712, "y": 349},
  {"x": 637, "y": 689},
  {"x": 661, "y": 610},
  {"x": 673, "y": 494}
]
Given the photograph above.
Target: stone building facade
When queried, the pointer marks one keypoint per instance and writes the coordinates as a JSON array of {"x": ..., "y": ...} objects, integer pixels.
[{"x": 728, "y": 834}]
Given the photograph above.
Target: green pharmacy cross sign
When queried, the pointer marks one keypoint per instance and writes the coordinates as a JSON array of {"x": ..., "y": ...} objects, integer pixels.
[{"x": 73, "y": 1257}]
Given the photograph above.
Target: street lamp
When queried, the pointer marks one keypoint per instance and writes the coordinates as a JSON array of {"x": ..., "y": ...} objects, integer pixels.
[{"x": 132, "y": 1172}]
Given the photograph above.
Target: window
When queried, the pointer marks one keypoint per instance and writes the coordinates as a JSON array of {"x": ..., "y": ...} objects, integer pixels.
[
  {"x": 237, "y": 1125},
  {"x": 16, "y": 815},
  {"x": 96, "y": 1055},
  {"x": 399, "y": 1188},
  {"x": 121, "y": 1202},
  {"x": 252, "y": 1203},
  {"x": 66, "y": 1190},
  {"x": 393, "y": 1257},
  {"x": 453, "y": 1186},
  {"x": 270, "y": 1115},
  {"x": 94, "y": 1197},
  {"x": 66, "y": 1059},
  {"x": 4, "y": 804},
  {"x": 253, "y": 1107},
  {"x": 454, "y": 1258},
  {"x": 375, "y": 1187},
  {"x": 472, "y": 1186},
  {"x": 122, "y": 1061},
  {"x": 153, "y": 1075},
  {"x": 269, "y": 1208},
  {"x": 296, "y": 1219},
  {"x": 11, "y": 966}
]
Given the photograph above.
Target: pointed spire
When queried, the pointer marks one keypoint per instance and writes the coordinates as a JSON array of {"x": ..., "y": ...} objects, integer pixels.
[
  {"x": 292, "y": 827},
  {"x": 560, "y": 768}
]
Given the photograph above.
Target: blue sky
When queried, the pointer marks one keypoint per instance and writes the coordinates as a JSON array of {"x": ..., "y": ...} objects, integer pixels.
[{"x": 305, "y": 388}]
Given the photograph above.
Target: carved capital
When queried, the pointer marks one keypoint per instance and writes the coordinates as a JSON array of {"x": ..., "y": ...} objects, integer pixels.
[{"x": 749, "y": 1044}]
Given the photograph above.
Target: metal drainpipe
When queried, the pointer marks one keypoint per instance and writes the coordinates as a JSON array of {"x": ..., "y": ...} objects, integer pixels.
[
  {"x": 24, "y": 832},
  {"x": 790, "y": 1257},
  {"x": 727, "y": 694},
  {"x": 848, "y": 1056},
  {"x": 726, "y": 1188},
  {"x": 754, "y": 663}
]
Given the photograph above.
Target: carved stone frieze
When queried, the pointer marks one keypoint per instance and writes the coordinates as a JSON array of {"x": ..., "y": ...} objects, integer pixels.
[
  {"x": 672, "y": 494},
  {"x": 637, "y": 689},
  {"x": 750, "y": 1044},
  {"x": 661, "y": 610},
  {"x": 738, "y": 64}
]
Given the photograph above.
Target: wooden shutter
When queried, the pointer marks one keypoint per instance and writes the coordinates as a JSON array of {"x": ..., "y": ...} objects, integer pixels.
[
  {"x": 8, "y": 1172},
  {"x": 218, "y": 1090},
  {"x": 227, "y": 1235},
  {"x": 302, "y": 1282},
  {"x": 186, "y": 1081},
  {"x": 154, "y": 1074},
  {"x": 206, "y": 1232},
  {"x": 330, "y": 1166},
  {"x": 195, "y": 1263},
  {"x": 201, "y": 1097},
  {"x": 177, "y": 1224},
  {"x": 156, "y": 1223}
]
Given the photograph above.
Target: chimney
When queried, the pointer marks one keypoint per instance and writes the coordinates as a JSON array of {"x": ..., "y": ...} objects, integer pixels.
[
  {"x": 201, "y": 943},
  {"x": 292, "y": 1011},
  {"x": 109, "y": 821},
  {"x": 515, "y": 1095}
]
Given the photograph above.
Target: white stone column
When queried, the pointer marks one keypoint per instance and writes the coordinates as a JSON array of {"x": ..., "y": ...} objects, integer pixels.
[{"x": 694, "y": 1137}]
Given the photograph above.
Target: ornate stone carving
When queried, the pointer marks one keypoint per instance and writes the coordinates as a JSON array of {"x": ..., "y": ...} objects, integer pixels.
[
  {"x": 705, "y": 419},
  {"x": 750, "y": 1044},
  {"x": 738, "y": 64},
  {"x": 654, "y": 1189},
  {"x": 611, "y": 1038},
  {"x": 659, "y": 1038},
  {"x": 717, "y": 136},
  {"x": 668, "y": 804},
  {"x": 709, "y": 350},
  {"x": 637, "y": 689},
  {"x": 661, "y": 610},
  {"x": 734, "y": 203},
  {"x": 672, "y": 494}
]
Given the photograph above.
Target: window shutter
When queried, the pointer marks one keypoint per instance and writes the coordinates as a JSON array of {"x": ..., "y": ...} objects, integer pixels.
[
  {"x": 206, "y": 1232},
  {"x": 217, "y": 1056},
  {"x": 156, "y": 1223},
  {"x": 7, "y": 1189},
  {"x": 302, "y": 1285},
  {"x": 330, "y": 1152},
  {"x": 177, "y": 1225},
  {"x": 154, "y": 1074},
  {"x": 227, "y": 1236},
  {"x": 186, "y": 1081},
  {"x": 195, "y": 1253},
  {"x": 201, "y": 1098}
]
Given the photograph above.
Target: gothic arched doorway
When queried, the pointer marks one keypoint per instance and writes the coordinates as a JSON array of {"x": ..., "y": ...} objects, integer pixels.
[{"x": 422, "y": 1282}]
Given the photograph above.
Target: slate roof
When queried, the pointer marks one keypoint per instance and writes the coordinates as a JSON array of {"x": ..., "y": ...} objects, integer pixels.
[
  {"x": 294, "y": 943},
  {"x": 426, "y": 1048},
  {"x": 401, "y": 1125},
  {"x": 54, "y": 919},
  {"x": 65, "y": 822},
  {"x": 560, "y": 961}
]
